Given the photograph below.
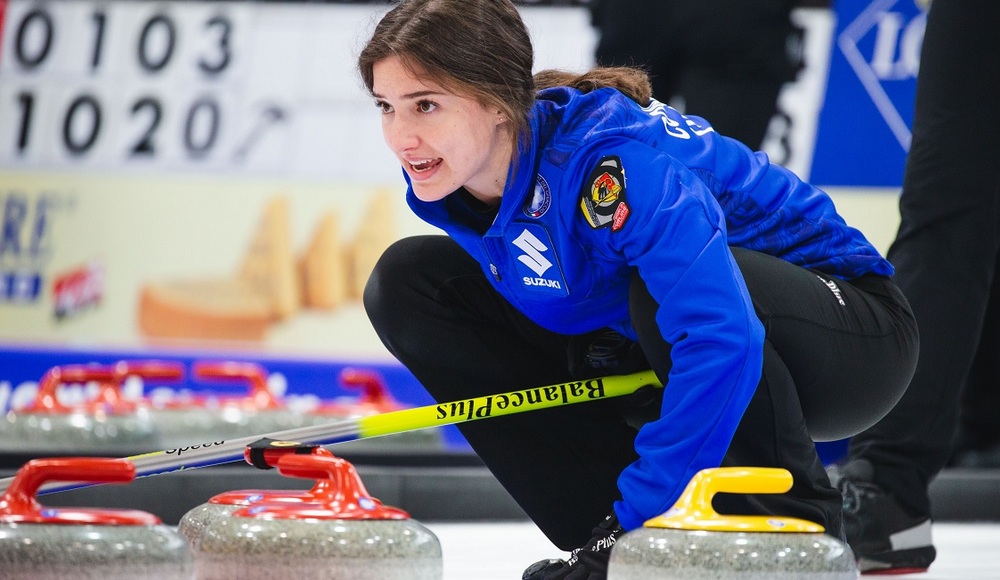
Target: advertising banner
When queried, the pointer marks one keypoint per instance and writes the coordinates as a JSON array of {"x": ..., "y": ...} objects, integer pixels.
[{"x": 864, "y": 124}]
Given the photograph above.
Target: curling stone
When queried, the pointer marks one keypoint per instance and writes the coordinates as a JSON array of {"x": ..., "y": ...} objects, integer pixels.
[
  {"x": 40, "y": 543},
  {"x": 179, "y": 421},
  {"x": 255, "y": 413},
  {"x": 221, "y": 506},
  {"x": 692, "y": 541},
  {"x": 374, "y": 398},
  {"x": 344, "y": 534},
  {"x": 106, "y": 424}
]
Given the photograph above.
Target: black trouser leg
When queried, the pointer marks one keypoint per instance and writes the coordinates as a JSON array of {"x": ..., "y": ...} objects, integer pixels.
[
  {"x": 727, "y": 59},
  {"x": 947, "y": 246},
  {"x": 437, "y": 313},
  {"x": 980, "y": 407},
  {"x": 764, "y": 441},
  {"x": 772, "y": 433},
  {"x": 829, "y": 370}
]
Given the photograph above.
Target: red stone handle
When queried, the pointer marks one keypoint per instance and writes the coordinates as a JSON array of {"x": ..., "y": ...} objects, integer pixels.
[
  {"x": 46, "y": 400},
  {"x": 260, "y": 397},
  {"x": 343, "y": 497},
  {"x": 149, "y": 369},
  {"x": 374, "y": 393},
  {"x": 146, "y": 370},
  {"x": 19, "y": 503}
]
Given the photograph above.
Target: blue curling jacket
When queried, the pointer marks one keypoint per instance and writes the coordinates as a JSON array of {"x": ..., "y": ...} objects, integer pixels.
[{"x": 606, "y": 187}]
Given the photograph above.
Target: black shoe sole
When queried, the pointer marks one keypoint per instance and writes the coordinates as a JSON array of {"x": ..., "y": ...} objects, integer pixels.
[{"x": 897, "y": 562}]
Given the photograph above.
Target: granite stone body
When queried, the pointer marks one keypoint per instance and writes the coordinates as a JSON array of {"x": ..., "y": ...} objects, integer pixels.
[
  {"x": 78, "y": 431},
  {"x": 180, "y": 427},
  {"x": 662, "y": 554},
  {"x": 262, "y": 549},
  {"x": 31, "y": 551},
  {"x": 270, "y": 421},
  {"x": 418, "y": 440},
  {"x": 194, "y": 523}
]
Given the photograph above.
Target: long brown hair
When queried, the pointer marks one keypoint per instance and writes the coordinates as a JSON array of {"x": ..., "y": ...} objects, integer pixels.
[
  {"x": 477, "y": 48},
  {"x": 633, "y": 82},
  {"x": 481, "y": 49}
]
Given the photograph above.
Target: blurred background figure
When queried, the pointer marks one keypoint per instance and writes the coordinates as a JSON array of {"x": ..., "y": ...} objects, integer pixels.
[
  {"x": 946, "y": 255},
  {"x": 724, "y": 60}
]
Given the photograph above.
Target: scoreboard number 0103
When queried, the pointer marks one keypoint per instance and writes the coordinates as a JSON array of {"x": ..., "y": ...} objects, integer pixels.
[
  {"x": 116, "y": 82},
  {"x": 35, "y": 32}
]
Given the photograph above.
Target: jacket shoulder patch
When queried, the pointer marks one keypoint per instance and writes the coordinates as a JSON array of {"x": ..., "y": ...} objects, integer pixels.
[{"x": 603, "y": 196}]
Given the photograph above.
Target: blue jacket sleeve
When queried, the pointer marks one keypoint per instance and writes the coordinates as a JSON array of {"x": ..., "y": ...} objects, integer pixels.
[{"x": 676, "y": 238}]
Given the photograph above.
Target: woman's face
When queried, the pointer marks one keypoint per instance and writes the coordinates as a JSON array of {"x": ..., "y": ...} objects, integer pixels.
[{"x": 443, "y": 140}]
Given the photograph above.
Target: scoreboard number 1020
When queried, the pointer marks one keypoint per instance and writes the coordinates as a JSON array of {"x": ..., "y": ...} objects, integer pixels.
[{"x": 110, "y": 84}]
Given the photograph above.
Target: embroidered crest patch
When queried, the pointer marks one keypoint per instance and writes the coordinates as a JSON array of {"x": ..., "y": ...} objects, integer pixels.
[
  {"x": 603, "y": 197},
  {"x": 540, "y": 200}
]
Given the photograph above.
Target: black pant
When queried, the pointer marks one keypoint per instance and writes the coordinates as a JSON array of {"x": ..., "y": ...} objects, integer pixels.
[
  {"x": 727, "y": 59},
  {"x": 946, "y": 254},
  {"x": 829, "y": 370}
]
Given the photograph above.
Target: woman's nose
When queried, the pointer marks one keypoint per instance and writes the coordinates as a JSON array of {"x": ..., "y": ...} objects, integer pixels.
[{"x": 400, "y": 134}]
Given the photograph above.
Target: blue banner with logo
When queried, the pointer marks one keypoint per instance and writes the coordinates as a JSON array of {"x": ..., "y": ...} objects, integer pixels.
[
  {"x": 299, "y": 380},
  {"x": 863, "y": 133}
]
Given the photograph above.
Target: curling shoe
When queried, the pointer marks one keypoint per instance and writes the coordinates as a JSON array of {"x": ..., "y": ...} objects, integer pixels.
[
  {"x": 884, "y": 537},
  {"x": 542, "y": 568}
]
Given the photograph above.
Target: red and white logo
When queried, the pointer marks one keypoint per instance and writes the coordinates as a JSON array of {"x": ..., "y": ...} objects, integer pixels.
[{"x": 78, "y": 289}]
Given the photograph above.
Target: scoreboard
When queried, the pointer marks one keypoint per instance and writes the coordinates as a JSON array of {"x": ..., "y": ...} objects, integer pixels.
[
  {"x": 182, "y": 86},
  {"x": 70, "y": 122}
]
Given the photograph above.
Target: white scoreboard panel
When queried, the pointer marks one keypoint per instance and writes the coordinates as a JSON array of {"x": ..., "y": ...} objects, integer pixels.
[{"x": 191, "y": 86}]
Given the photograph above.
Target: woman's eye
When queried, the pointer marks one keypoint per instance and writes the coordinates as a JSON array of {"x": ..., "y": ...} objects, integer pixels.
[
  {"x": 383, "y": 106},
  {"x": 426, "y": 106}
]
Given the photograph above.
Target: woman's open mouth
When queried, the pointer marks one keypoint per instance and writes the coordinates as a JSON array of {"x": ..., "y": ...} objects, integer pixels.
[{"x": 424, "y": 165}]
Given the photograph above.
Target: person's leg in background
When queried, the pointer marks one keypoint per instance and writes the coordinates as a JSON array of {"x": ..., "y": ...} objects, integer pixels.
[
  {"x": 738, "y": 57},
  {"x": 978, "y": 442},
  {"x": 727, "y": 60},
  {"x": 945, "y": 255},
  {"x": 643, "y": 33}
]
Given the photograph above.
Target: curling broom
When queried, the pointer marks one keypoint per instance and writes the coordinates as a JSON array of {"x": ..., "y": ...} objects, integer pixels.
[{"x": 394, "y": 422}]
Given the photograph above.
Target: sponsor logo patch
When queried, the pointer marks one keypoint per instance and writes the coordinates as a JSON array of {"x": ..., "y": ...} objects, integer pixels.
[
  {"x": 603, "y": 197},
  {"x": 537, "y": 264}
]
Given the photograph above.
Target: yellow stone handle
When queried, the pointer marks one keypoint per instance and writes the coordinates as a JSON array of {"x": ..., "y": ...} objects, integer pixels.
[{"x": 694, "y": 511}]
